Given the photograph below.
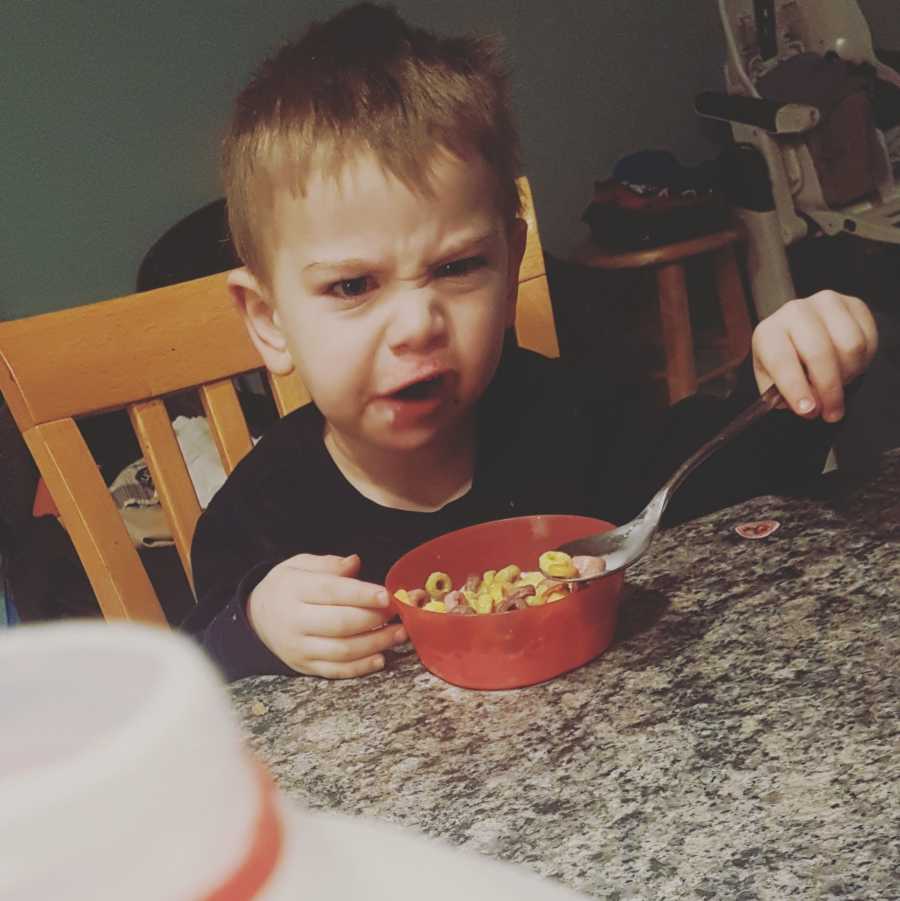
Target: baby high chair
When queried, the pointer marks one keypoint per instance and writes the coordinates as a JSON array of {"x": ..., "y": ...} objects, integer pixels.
[{"x": 785, "y": 187}]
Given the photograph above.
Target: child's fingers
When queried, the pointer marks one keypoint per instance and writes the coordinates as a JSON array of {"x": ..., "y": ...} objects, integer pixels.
[
  {"x": 341, "y": 591},
  {"x": 811, "y": 348},
  {"x": 326, "y": 563},
  {"x": 329, "y": 670},
  {"x": 338, "y": 622},
  {"x": 776, "y": 360},
  {"x": 851, "y": 324},
  {"x": 853, "y": 334},
  {"x": 356, "y": 647},
  {"x": 814, "y": 345},
  {"x": 863, "y": 317}
]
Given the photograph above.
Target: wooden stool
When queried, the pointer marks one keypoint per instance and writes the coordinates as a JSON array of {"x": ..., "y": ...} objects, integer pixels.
[{"x": 667, "y": 260}]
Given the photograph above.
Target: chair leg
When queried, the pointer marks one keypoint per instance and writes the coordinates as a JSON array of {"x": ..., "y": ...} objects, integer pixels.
[
  {"x": 678, "y": 340},
  {"x": 770, "y": 275},
  {"x": 733, "y": 304}
]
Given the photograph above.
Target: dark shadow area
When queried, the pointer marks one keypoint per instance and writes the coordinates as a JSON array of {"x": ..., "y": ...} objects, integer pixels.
[
  {"x": 399, "y": 657},
  {"x": 639, "y": 611}
]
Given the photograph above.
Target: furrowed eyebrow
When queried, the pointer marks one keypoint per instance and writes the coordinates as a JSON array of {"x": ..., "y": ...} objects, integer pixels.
[
  {"x": 353, "y": 263},
  {"x": 468, "y": 244},
  {"x": 358, "y": 264}
]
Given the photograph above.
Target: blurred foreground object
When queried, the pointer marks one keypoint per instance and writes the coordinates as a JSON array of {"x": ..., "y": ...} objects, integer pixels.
[{"x": 123, "y": 775}]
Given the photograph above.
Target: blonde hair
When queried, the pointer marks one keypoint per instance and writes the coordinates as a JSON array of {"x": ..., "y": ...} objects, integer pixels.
[{"x": 364, "y": 81}]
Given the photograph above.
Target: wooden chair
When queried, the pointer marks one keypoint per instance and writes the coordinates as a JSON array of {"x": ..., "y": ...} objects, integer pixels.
[{"x": 130, "y": 353}]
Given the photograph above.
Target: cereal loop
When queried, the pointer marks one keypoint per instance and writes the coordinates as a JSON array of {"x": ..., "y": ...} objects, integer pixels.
[
  {"x": 438, "y": 584},
  {"x": 557, "y": 564}
]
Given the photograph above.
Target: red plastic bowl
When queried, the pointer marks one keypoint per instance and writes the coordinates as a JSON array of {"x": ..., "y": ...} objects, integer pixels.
[{"x": 521, "y": 647}]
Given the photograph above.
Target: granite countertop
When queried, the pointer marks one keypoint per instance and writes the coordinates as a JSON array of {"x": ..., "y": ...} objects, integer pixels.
[{"x": 739, "y": 740}]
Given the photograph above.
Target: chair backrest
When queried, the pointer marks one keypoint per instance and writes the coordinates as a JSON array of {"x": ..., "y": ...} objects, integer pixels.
[
  {"x": 760, "y": 33},
  {"x": 130, "y": 353},
  {"x": 773, "y": 46}
]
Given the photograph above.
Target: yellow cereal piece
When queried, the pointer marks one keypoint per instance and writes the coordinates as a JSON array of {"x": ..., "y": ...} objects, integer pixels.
[
  {"x": 508, "y": 574},
  {"x": 486, "y": 593},
  {"x": 498, "y": 591},
  {"x": 557, "y": 564},
  {"x": 438, "y": 584}
]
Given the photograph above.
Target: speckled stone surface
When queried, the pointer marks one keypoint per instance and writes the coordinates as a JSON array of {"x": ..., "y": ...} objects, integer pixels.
[{"x": 740, "y": 740}]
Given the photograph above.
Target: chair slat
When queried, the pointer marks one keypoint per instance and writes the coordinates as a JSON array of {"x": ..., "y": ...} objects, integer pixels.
[
  {"x": 289, "y": 392},
  {"x": 109, "y": 354},
  {"x": 226, "y": 422},
  {"x": 533, "y": 261},
  {"x": 170, "y": 474},
  {"x": 121, "y": 585},
  {"x": 535, "y": 328}
]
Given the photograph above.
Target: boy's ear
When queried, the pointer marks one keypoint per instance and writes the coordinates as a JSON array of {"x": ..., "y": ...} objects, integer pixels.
[
  {"x": 518, "y": 236},
  {"x": 262, "y": 320}
]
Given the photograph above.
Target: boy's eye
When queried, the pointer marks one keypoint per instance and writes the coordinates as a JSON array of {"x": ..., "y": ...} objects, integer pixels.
[
  {"x": 457, "y": 268},
  {"x": 352, "y": 287}
]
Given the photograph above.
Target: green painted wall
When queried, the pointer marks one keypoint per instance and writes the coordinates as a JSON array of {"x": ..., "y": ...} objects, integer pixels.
[{"x": 111, "y": 113}]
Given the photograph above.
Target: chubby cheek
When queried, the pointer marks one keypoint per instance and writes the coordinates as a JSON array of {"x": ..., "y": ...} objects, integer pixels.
[
  {"x": 331, "y": 366},
  {"x": 480, "y": 365},
  {"x": 480, "y": 345}
]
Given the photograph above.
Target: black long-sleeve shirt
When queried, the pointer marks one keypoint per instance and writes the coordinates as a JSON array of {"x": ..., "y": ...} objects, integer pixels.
[{"x": 547, "y": 443}]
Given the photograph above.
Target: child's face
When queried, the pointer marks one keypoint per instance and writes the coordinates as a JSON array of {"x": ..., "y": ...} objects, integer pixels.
[{"x": 391, "y": 304}]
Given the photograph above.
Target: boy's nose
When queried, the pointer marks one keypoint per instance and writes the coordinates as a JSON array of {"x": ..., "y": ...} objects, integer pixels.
[{"x": 418, "y": 321}]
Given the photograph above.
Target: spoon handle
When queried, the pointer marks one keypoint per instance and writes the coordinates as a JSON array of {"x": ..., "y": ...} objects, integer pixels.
[{"x": 762, "y": 405}]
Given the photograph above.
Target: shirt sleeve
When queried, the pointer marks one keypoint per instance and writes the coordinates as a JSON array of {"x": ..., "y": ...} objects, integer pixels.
[
  {"x": 229, "y": 558},
  {"x": 230, "y": 640}
]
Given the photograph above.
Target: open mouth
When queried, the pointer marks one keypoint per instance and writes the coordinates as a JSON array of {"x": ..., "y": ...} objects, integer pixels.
[{"x": 422, "y": 390}]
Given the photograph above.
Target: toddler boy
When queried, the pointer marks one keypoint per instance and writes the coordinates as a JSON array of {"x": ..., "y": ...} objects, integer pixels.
[{"x": 370, "y": 176}]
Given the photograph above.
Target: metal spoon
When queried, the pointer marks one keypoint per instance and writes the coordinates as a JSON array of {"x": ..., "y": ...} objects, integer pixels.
[{"x": 622, "y": 546}]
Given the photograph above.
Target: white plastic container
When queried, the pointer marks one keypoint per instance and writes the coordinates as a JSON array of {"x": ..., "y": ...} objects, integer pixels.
[{"x": 123, "y": 776}]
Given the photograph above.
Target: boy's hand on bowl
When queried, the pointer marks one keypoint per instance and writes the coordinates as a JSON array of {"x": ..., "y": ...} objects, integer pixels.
[
  {"x": 317, "y": 618},
  {"x": 810, "y": 348}
]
